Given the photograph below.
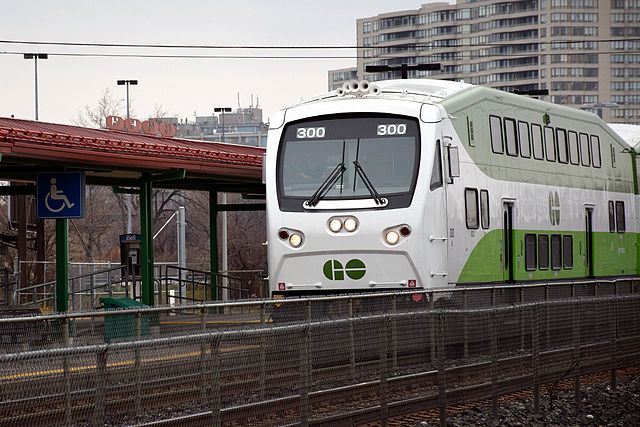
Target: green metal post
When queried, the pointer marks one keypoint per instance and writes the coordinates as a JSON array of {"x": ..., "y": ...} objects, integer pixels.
[
  {"x": 146, "y": 231},
  {"x": 213, "y": 241},
  {"x": 62, "y": 265}
]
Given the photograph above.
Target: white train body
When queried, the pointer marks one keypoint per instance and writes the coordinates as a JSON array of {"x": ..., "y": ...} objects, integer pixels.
[{"x": 410, "y": 226}]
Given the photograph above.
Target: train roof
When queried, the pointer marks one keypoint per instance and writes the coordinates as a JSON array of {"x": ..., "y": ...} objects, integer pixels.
[{"x": 629, "y": 133}]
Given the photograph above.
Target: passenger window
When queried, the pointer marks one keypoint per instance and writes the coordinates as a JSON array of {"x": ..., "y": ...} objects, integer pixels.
[
  {"x": 561, "y": 136},
  {"x": 595, "y": 151},
  {"x": 567, "y": 252},
  {"x": 525, "y": 139},
  {"x": 620, "y": 218},
  {"x": 585, "y": 152},
  {"x": 556, "y": 252},
  {"x": 471, "y": 207},
  {"x": 574, "y": 149},
  {"x": 472, "y": 142},
  {"x": 612, "y": 217},
  {"x": 613, "y": 156},
  {"x": 511, "y": 137},
  {"x": 538, "y": 149},
  {"x": 530, "y": 255},
  {"x": 543, "y": 252},
  {"x": 436, "y": 173},
  {"x": 550, "y": 143},
  {"x": 495, "y": 125},
  {"x": 484, "y": 208}
]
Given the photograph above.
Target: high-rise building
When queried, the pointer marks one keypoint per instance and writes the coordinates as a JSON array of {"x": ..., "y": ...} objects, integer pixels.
[
  {"x": 243, "y": 126},
  {"x": 585, "y": 52}
]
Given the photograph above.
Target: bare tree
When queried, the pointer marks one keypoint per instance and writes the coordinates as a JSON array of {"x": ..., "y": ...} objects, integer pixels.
[{"x": 95, "y": 116}]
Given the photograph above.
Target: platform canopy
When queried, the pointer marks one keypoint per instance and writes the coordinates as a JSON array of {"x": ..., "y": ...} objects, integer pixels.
[
  {"x": 121, "y": 158},
  {"x": 129, "y": 162}
]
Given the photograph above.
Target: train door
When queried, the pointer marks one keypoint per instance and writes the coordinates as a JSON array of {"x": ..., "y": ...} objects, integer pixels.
[
  {"x": 588, "y": 260},
  {"x": 507, "y": 242}
]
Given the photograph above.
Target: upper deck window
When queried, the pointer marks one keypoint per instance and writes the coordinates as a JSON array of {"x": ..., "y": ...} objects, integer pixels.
[{"x": 382, "y": 149}]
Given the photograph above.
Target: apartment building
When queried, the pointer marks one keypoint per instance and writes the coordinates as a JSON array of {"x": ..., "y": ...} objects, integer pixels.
[{"x": 585, "y": 52}]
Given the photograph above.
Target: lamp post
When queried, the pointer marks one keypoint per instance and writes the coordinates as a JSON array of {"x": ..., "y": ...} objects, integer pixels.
[
  {"x": 35, "y": 57},
  {"x": 598, "y": 106},
  {"x": 128, "y": 198},
  {"x": 127, "y": 83},
  {"x": 222, "y": 110}
]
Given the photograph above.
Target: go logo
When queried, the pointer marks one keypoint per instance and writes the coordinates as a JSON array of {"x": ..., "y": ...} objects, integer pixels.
[{"x": 354, "y": 269}]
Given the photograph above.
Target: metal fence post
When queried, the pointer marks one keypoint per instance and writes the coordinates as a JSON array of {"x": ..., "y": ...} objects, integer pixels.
[
  {"x": 203, "y": 360},
  {"x": 575, "y": 320},
  {"x": 465, "y": 306},
  {"x": 614, "y": 345},
  {"x": 352, "y": 342},
  {"x": 494, "y": 363},
  {"x": 535, "y": 355},
  {"x": 394, "y": 331},
  {"x": 432, "y": 330},
  {"x": 66, "y": 372},
  {"x": 263, "y": 352},
  {"x": 305, "y": 372},
  {"x": 138, "y": 334},
  {"x": 101, "y": 385},
  {"x": 442, "y": 378},
  {"x": 215, "y": 398},
  {"x": 384, "y": 371}
]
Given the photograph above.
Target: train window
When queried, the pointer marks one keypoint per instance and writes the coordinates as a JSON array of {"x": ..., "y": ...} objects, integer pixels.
[
  {"x": 556, "y": 252},
  {"x": 567, "y": 252},
  {"x": 595, "y": 151},
  {"x": 613, "y": 156},
  {"x": 525, "y": 139},
  {"x": 471, "y": 207},
  {"x": 484, "y": 208},
  {"x": 538, "y": 148},
  {"x": 530, "y": 255},
  {"x": 620, "y": 219},
  {"x": 585, "y": 151},
  {"x": 472, "y": 142},
  {"x": 612, "y": 217},
  {"x": 550, "y": 143},
  {"x": 436, "y": 173},
  {"x": 511, "y": 136},
  {"x": 543, "y": 252},
  {"x": 495, "y": 124},
  {"x": 563, "y": 152},
  {"x": 574, "y": 148}
]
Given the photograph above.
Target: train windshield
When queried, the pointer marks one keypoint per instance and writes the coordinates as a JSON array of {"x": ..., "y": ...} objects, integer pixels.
[{"x": 348, "y": 158}]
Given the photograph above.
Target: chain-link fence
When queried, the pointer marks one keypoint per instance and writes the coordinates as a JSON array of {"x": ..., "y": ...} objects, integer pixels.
[
  {"x": 111, "y": 325},
  {"x": 342, "y": 371}
]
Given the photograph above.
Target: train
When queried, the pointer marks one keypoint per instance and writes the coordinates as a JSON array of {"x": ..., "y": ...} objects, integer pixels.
[{"x": 430, "y": 184}]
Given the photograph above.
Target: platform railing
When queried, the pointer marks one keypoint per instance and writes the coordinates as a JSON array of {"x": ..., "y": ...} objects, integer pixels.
[{"x": 180, "y": 285}]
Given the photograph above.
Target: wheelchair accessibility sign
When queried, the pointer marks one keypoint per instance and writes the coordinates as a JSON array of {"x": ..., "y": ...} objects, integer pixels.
[{"x": 60, "y": 195}]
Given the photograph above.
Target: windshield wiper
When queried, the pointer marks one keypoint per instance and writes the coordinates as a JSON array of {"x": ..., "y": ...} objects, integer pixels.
[
  {"x": 327, "y": 184},
  {"x": 367, "y": 183}
]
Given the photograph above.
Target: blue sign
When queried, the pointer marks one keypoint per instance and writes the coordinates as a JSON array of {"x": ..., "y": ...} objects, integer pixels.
[{"x": 60, "y": 195}]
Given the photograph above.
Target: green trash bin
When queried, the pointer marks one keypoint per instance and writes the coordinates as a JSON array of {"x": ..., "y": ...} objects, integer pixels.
[{"x": 123, "y": 326}]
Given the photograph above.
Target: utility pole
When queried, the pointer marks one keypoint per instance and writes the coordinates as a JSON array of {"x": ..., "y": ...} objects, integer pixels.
[{"x": 127, "y": 199}]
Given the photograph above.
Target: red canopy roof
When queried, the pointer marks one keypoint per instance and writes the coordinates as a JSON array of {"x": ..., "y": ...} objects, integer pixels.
[{"x": 78, "y": 146}]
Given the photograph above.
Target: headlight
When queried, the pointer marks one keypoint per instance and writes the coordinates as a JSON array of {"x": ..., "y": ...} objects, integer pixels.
[
  {"x": 350, "y": 224},
  {"x": 391, "y": 237},
  {"x": 335, "y": 225},
  {"x": 295, "y": 240}
]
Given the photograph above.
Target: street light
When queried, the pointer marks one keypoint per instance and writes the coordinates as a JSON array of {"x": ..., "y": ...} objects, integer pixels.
[
  {"x": 35, "y": 57},
  {"x": 128, "y": 201},
  {"x": 598, "y": 106},
  {"x": 222, "y": 110},
  {"x": 127, "y": 83}
]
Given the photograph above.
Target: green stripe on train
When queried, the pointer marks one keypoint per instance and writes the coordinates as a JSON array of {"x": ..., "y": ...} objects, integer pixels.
[{"x": 614, "y": 254}]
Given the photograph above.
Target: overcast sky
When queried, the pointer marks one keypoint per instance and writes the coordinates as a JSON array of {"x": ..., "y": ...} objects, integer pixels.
[{"x": 181, "y": 86}]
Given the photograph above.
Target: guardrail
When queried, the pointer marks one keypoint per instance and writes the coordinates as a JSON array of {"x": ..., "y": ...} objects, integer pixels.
[{"x": 344, "y": 371}]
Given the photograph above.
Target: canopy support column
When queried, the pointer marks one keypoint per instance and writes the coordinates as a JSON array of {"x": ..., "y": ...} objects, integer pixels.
[
  {"x": 146, "y": 244},
  {"x": 213, "y": 242},
  {"x": 62, "y": 265}
]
